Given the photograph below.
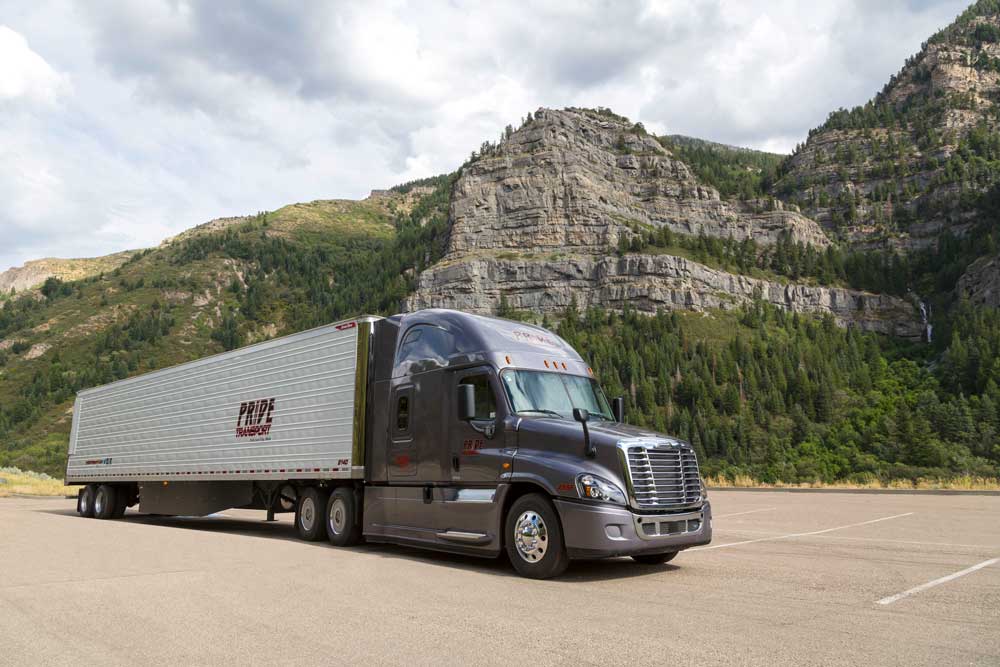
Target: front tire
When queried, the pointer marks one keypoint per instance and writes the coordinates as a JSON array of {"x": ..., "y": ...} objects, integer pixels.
[
  {"x": 310, "y": 513},
  {"x": 654, "y": 559},
  {"x": 104, "y": 502},
  {"x": 533, "y": 538},
  {"x": 342, "y": 526}
]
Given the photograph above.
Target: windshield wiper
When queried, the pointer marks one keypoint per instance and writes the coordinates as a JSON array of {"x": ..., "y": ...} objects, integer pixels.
[{"x": 543, "y": 412}]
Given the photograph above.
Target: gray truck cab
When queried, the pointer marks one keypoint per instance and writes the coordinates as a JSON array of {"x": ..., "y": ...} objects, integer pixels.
[{"x": 484, "y": 435}]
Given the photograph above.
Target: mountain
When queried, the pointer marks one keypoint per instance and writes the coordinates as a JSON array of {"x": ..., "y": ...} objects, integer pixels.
[
  {"x": 907, "y": 166},
  {"x": 827, "y": 315},
  {"x": 916, "y": 169},
  {"x": 35, "y": 272},
  {"x": 539, "y": 220}
]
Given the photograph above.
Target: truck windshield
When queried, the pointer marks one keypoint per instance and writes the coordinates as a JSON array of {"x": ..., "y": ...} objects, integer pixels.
[{"x": 554, "y": 394}]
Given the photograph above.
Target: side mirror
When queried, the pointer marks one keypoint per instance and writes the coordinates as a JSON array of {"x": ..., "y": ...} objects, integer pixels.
[
  {"x": 618, "y": 409},
  {"x": 466, "y": 402},
  {"x": 583, "y": 416}
]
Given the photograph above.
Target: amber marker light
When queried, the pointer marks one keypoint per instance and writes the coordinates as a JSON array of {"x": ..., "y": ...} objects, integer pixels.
[
  {"x": 508, "y": 359},
  {"x": 546, "y": 362}
]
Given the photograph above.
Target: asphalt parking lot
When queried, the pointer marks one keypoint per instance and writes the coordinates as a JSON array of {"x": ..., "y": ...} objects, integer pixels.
[{"x": 791, "y": 578}]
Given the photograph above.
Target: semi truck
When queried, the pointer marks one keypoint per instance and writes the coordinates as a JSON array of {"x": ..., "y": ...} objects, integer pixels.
[{"x": 436, "y": 428}]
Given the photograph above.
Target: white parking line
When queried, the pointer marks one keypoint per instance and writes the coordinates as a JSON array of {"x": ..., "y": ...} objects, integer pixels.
[
  {"x": 937, "y": 582},
  {"x": 726, "y": 516},
  {"x": 791, "y": 535}
]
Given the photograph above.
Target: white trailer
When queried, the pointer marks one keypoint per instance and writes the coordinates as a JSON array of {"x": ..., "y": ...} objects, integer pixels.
[{"x": 283, "y": 409}]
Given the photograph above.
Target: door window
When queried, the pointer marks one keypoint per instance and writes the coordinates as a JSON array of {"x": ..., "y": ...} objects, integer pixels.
[{"x": 486, "y": 404}]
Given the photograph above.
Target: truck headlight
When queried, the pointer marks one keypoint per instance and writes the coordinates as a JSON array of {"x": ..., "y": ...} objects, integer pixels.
[{"x": 593, "y": 487}]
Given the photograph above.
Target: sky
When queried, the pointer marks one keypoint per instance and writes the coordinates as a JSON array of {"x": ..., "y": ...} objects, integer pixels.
[{"x": 123, "y": 123}]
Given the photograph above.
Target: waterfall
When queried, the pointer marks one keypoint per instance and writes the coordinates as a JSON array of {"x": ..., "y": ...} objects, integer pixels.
[{"x": 925, "y": 313}]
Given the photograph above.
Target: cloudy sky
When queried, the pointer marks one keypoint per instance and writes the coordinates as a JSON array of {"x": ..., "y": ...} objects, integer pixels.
[{"x": 122, "y": 123}]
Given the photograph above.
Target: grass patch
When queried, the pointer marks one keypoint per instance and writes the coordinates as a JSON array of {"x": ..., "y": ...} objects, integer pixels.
[
  {"x": 17, "y": 482},
  {"x": 958, "y": 483}
]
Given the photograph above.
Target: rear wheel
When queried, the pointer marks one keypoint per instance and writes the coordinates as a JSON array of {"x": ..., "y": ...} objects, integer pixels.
[
  {"x": 654, "y": 559},
  {"x": 85, "y": 501},
  {"x": 104, "y": 502},
  {"x": 342, "y": 526},
  {"x": 309, "y": 515},
  {"x": 533, "y": 538}
]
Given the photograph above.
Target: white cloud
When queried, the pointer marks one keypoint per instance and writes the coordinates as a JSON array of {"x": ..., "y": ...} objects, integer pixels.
[
  {"x": 23, "y": 73},
  {"x": 183, "y": 111}
]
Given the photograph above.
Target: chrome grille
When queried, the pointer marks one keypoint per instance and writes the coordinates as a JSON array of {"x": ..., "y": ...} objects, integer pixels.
[{"x": 663, "y": 476}]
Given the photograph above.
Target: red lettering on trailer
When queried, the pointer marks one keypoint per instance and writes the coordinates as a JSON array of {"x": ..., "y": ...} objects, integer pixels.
[
  {"x": 255, "y": 419},
  {"x": 346, "y": 325}
]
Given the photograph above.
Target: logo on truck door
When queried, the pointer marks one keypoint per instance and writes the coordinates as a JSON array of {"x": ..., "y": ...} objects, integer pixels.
[{"x": 254, "y": 420}]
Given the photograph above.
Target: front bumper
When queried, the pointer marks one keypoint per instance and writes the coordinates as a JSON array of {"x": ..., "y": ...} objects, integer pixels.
[{"x": 603, "y": 531}]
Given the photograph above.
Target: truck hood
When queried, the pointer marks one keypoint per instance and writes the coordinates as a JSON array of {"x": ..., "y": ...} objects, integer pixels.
[
  {"x": 566, "y": 434},
  {"x": 556, "y": 444},
  {"x": 607, "y": 430}
]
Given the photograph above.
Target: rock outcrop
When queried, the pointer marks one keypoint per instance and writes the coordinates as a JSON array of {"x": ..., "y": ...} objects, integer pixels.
[
  {"x": 580, "y": 179},
  {"x": 981, "y": 282},
  {"x": 37, "y": 271},
  {"x": 646, "y": 283}
]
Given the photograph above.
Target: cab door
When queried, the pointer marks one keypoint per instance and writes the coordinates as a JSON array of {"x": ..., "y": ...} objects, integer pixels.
[{"x": 478, "y": 446}]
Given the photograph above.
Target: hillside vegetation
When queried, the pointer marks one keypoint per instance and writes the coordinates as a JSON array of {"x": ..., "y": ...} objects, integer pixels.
[
  {"x": 207, "y": 291},
  {"x": 737, "y": 173},
  {"x": 785, "y": 398}
]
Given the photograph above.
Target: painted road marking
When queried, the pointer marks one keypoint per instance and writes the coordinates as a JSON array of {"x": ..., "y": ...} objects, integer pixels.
[
  {"x": 986, "y": 548},
  {"x": 726, "y": 516},
  {"x": 938, "y": 582},
  {"x": 791, "y": 535}
]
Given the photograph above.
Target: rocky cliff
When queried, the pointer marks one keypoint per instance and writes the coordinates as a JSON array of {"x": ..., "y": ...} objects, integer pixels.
[
  {"x": 903, "y": 168},
  {"x": 537, "y": 220},
  {"x": 646, "y": 283},
  {"x": 581, "y": 179}
]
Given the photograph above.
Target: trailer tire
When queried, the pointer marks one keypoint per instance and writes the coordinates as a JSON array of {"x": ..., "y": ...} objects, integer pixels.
[
  {"x": 85, "y": 501},
  {"x": 309, "y": 514},
  {"x": 342, "y": 525},
  {"x": 533, "y": 538},
  {"x": 654, "y": 559},
  {"x": 104, "y": 502}
]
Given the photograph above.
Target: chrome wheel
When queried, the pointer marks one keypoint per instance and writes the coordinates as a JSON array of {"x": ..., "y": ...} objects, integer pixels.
[
  {"x": 530, "y": 536},
  {"x": 338, "y": 517},
  {"x": 85, "y": 503},
  {"x": 307, "y": 515},
  {"x": 99, "y": 504}
]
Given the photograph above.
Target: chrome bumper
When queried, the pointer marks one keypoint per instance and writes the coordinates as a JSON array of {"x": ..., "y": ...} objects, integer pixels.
[{"x": 603, "y": 531}]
